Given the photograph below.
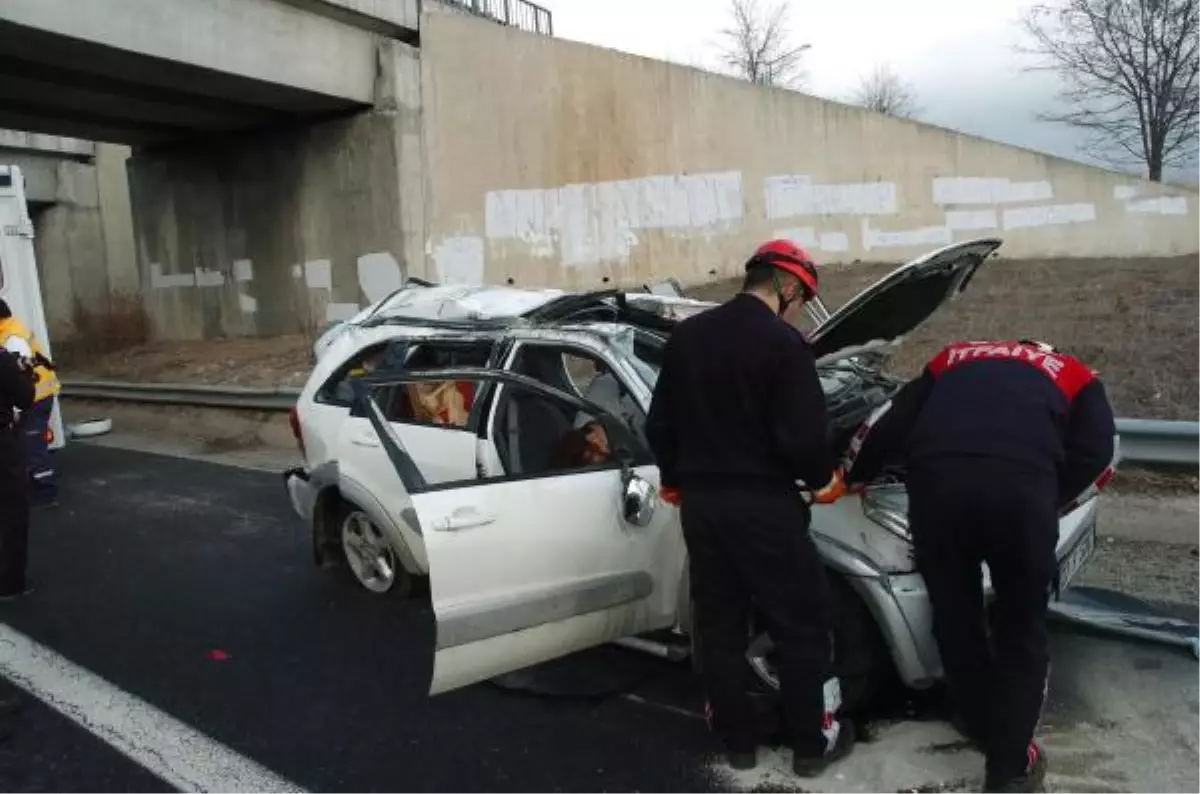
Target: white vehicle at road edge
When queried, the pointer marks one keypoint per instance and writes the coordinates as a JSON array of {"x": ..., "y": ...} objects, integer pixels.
[{"x": 528, "y": 562}]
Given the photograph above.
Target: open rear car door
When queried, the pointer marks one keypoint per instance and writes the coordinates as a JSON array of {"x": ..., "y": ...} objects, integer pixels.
[{"x": 528, "y": 567}]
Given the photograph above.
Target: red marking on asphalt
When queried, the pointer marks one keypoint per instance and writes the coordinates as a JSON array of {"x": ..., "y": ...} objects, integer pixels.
[{"x": 218, "y": 655}]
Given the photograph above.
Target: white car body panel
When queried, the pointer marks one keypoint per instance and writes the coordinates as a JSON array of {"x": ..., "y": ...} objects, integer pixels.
[{"x": 594, "y": 579}]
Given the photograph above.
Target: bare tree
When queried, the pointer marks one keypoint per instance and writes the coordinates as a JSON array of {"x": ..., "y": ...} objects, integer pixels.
[
  {"x": 884, "y": 91},
  {"x": 1129, "y": 73},
  {"x": 757, "y": 47}
]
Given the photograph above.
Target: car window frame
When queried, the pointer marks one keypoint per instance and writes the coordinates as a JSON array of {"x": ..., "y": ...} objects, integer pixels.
[
  {"x": 323, "y": 394},
  {"x": 609, "y": 361},
  {"x": 414, "y": 480}
]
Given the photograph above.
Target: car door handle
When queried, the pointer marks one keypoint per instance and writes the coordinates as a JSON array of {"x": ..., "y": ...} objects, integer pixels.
[
  {"x": 364, "y": 440},
  {"x": 463, "y": 518}
]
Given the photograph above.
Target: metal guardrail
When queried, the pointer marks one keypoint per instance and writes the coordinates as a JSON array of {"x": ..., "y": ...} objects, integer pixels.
[
  {"x": 1142, "y": 440},
  {"x": 184, "y": 394},
  {"x": 1158, "y": 441},
  {"x": 520, "y": 14}
]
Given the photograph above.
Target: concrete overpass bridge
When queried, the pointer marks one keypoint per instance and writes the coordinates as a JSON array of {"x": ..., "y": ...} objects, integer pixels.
[
  {"x": 275, "y": 142},
  {"x": 144, "y": 72},
  {"x": 151, "y": 71}
]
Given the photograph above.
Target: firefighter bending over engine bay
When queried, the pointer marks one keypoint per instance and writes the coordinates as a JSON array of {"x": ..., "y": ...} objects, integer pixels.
[{"x": 997, "y": 439}]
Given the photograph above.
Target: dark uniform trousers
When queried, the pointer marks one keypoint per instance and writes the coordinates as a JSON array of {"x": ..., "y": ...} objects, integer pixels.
[
  {"x": 964, "y": 511},
  {"x": 14, "y": 512},
  {"x": 747, "y": 549}
]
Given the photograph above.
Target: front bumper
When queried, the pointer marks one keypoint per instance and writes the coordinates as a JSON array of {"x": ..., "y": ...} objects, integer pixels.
[
  {"x": 301, "y": 492},
  {"x": 903, "y": 600}
]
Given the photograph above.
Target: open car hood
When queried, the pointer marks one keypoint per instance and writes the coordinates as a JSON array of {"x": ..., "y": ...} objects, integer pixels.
[{"x": 881, "y": 315}]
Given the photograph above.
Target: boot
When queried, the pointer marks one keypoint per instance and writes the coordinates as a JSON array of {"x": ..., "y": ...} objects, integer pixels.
[
  {"x": 1033, "y": 779},
  {"x": 811, "y": 766}
]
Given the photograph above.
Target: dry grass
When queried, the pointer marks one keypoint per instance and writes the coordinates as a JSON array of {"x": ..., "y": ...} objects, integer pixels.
[
  {"x": 1135, "y": 320},
  {"x": 275, "y": 361}
]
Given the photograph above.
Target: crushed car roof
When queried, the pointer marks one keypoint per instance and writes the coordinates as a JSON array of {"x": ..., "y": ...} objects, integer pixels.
[{"x": 461, "y": 303}]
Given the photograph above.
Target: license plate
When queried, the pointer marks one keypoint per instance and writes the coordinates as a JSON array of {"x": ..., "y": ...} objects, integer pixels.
[{"x": 1076, "y": 557}]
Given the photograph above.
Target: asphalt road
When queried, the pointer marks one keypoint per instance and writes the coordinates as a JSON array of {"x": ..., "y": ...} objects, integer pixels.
[{"x": 151, "y": 563}]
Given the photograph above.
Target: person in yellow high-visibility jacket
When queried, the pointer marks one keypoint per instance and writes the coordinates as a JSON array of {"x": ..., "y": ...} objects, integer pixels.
[{"x": 34, "y": 424}]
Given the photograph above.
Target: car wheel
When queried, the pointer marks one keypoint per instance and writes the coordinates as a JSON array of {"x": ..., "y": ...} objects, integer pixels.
[
  {"x": 369, "y": 556},
  {"x": 860, "y": 658}
]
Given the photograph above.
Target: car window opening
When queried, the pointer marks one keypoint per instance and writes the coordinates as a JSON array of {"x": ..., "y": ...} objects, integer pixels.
[{"x": 537, "y": 435}]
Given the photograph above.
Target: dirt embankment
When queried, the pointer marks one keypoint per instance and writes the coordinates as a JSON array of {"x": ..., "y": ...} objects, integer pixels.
[{"x": 1133, "y": 319}]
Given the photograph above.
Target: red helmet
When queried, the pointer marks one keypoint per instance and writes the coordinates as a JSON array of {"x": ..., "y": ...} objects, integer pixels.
[{"x": 791, "y": 258}]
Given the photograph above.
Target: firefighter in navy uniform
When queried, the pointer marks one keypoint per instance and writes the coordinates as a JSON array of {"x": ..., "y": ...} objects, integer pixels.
[
  {"x": 997, "y": 440},
  {"x": 738, "y": 417},
  {"x": 16, "y": 394}
]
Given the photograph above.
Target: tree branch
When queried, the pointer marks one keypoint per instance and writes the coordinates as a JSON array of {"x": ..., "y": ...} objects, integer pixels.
[{"x": 1129, "y": 73}]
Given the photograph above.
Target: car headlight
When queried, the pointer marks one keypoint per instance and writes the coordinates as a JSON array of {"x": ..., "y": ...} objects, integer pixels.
[{"x": 887, "y": 506}]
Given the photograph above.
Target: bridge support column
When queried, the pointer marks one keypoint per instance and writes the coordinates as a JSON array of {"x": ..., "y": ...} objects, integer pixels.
[{"x": 278, "y": 231}]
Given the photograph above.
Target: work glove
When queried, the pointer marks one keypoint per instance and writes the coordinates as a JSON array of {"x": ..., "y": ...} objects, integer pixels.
[
  {"x": 835, "y": 490},
  {"x": 670, "y": 495}
]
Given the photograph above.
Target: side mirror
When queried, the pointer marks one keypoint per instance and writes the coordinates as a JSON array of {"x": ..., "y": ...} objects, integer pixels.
[{"x": 638, "y": 498}]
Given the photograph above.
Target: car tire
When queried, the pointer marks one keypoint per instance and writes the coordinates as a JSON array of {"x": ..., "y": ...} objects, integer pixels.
[
  {"x": 861, "y": 661},
  {"x": 368, "y": 557}
]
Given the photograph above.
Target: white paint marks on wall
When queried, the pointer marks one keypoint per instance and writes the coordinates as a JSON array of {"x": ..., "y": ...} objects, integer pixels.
[
  {"x": 318, "y": 274},
  {"x": 379, "y": 275},
  {"x": 243, "y": 270},
  {"x": 807, "y": 237},
  {"x": 928, "y": 235},
  {"x": 789, "y": 196},
  {"x": 1126, "y": 192},
  {"x": 597, "y": 222},
  {"x": 160, "y": 280},
  {"x": 336, "y": 312},
  {"x": 243, "y": 273},
  {"x": 459, "y": 260},
  {"x": 966, "y": 220},
  {"x": 987, "y": 190},
  {"x": 1048, "y": 215},
  {"x": 1163, "y": 205},
  {"x": 835, "y": 241},
  {"x": 209, "y": 278}
]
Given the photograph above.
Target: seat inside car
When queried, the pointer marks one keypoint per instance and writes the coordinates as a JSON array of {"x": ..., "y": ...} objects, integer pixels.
[{"x": 530, "y": 426}]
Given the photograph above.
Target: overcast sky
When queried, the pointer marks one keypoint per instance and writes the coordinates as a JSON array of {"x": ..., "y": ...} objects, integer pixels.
[{"x": 958, "y": 54}]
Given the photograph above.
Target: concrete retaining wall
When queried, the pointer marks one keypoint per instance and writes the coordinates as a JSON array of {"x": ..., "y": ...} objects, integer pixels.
[
  {"x": 551, "y": 162},
  {"x": 499, "y": 156}
]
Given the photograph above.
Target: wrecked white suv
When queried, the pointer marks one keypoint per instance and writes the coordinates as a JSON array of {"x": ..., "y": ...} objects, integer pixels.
[{"x": 441, "y": 435}]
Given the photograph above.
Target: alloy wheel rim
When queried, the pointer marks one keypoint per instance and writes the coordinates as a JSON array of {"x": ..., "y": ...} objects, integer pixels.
[{"x": 368, "y": 553}]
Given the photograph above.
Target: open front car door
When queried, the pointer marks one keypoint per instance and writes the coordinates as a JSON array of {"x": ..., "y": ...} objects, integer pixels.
[{"x": 560, "y": 542}]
